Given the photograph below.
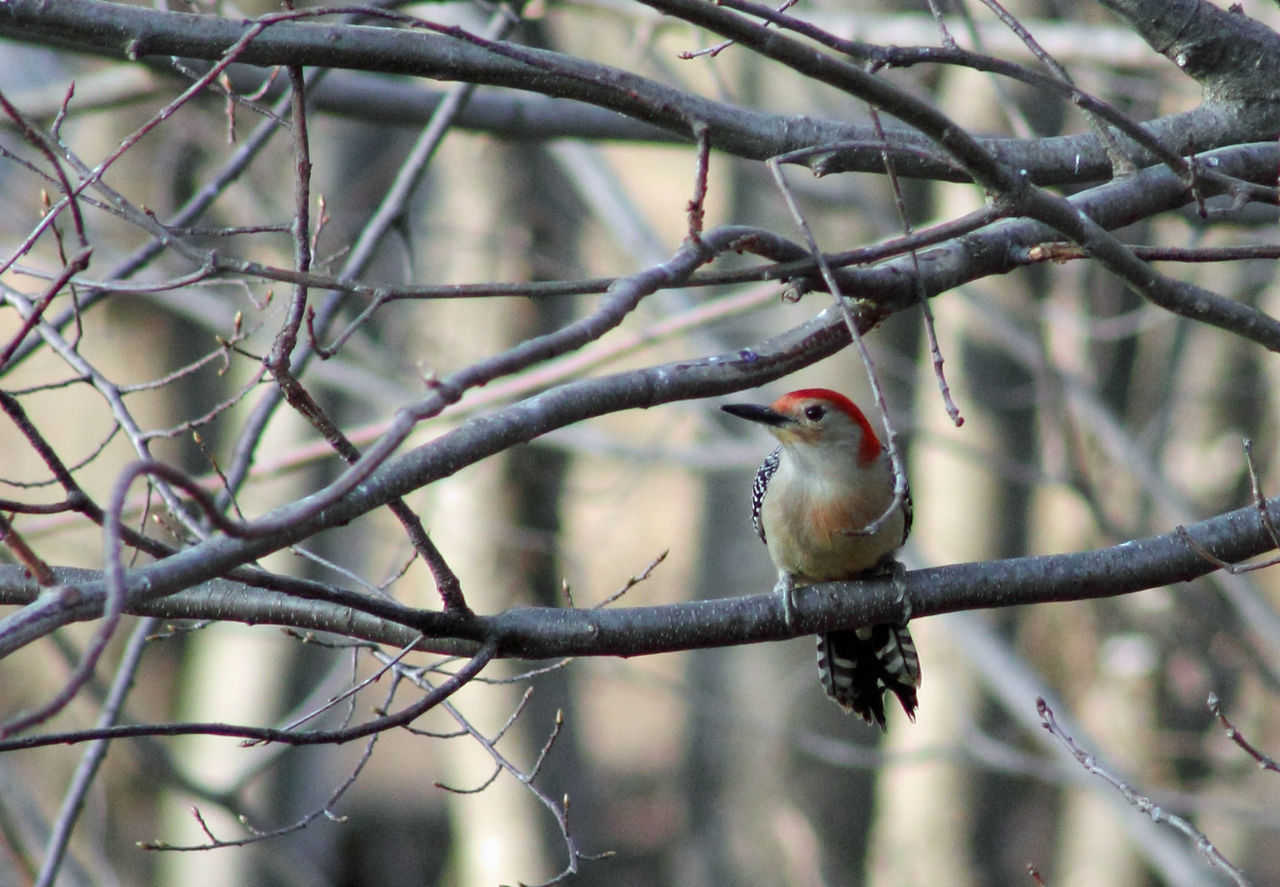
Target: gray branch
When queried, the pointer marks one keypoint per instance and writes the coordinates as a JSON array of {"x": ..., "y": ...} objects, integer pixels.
[
  {"x": 546, "y": 632},
  {"x": 649, "y": 110}
]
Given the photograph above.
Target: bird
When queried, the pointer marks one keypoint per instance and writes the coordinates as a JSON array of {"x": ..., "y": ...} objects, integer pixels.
[{"x": 823, "y": 503}]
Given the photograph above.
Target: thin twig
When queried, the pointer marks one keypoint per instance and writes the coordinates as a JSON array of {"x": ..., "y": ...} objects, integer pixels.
[
  {"x": 257, "y": 835},
  {"x": 94, "y": 755},
  {"x": 632, "y": 581},
  {"x": 1121, "y": 163},
  {"x": 559, "y": 808},
  {"x": 1264, "y": 515},
  {"x": 926, "y": 310},
  {"x": 697, "y": 203},
  {"x": 855, "y": 333},
  {"x": 1142, "y": 802},
  {"x": 25, "y": 554},
  {"x": 345, "y": 694},
  {"x": 1264, "y": 761}
]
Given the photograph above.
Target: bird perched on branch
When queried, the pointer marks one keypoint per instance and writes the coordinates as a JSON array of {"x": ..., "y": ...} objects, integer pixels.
[{"x": 824, "y": 504}]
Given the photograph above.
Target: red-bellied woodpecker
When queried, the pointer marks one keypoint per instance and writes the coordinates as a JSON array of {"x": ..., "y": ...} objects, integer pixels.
[{"x": 815, "y": 503}]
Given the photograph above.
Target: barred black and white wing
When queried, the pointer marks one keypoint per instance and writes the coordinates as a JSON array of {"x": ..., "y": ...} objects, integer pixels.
[
  {"x": 758, "y": 488},
  {"x": 908, "y": 511},
  {"x": 857, "y": 666}
]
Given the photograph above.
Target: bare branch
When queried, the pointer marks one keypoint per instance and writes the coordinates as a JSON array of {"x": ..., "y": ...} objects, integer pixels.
[
  {"x": 1264, "y": 761},
  {"x": 1143, "y": 803}
]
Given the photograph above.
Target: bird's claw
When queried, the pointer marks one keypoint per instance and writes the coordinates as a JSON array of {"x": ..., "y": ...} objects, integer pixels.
[
  {"x": 898, "y": 576},
  {"x": 787, "y": 587}
]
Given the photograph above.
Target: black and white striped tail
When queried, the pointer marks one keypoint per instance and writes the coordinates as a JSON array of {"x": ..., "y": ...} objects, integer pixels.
[{"x": 856, "y": 667}]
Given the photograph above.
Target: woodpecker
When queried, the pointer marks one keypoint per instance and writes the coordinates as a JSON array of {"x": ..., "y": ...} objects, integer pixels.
[{"x": 813, "y": 501}]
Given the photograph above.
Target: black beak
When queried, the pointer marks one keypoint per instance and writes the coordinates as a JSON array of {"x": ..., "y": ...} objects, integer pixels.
[{"x": 754, "y": 412}]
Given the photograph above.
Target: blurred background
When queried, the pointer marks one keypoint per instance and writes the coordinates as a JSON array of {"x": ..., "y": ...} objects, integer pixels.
[{"x": 1091, "y": 417}]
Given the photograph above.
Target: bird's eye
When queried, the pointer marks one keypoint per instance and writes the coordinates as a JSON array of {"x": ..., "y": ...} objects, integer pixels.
[{"x": 814, "y": 413}]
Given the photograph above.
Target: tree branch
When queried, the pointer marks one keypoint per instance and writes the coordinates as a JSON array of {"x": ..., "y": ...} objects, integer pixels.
[
  {"x": 137, "y": 33},
  {"x": 1232, "y": 56},
  {"x": 549, "y": 632},
  {"x": 890, "y": 285}
]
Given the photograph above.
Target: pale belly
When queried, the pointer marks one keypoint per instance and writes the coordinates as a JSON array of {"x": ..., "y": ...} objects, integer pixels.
[{"x": 828, "y": 546}]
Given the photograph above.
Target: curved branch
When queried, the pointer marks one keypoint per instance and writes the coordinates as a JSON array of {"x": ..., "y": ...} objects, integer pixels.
[
  {"x": 405, "y": 716},
  {"x": 138, "y": 33},
  {"x": 1232, "y": 56},
  {"x": 885, "y": 288}
]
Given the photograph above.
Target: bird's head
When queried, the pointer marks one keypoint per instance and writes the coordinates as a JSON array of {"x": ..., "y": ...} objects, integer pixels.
[{"x": 814, "y": 417}]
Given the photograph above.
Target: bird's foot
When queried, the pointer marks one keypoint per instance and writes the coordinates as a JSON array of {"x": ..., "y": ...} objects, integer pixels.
[
  {"x": 787, "y": 588},
  {"x": 898, "y": 575}
]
